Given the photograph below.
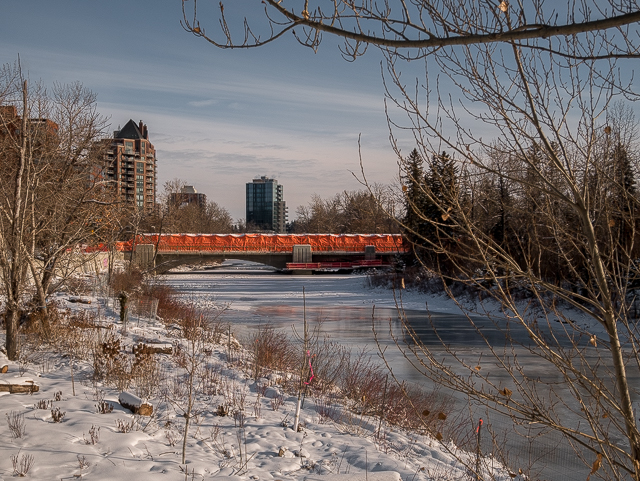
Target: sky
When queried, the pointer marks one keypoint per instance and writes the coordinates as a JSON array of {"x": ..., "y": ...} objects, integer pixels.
[{"x": 217, "y": 118}]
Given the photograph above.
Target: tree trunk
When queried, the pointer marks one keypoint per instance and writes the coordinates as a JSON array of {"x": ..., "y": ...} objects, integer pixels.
[
  {"x": 11, "y": 325},
  {"x": 42, "y": 299},
  {"x": 16, "y": 269}
]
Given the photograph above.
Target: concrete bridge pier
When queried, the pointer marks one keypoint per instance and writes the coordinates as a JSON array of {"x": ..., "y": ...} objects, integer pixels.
[
  {"x": 143, "y": 256},
  {"x": 302, "y": 254},
  {"x": 370, "y": 253}
]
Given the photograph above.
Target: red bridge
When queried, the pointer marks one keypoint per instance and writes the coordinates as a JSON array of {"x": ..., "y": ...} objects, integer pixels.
[{"x": 295, "y": 252}]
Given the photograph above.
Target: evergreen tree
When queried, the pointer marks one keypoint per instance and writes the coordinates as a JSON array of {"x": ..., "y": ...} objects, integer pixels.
[
  {"x": 623, "y": 195},
  {"x": 498, "y": 231},
  {"x": 415, "y": 199},
  {"x": 443, "y": 188}
]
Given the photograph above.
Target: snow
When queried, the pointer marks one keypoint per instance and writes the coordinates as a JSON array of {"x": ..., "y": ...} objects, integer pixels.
[
  {"x": 128, "y": 399},
  {"x": 257, "y": 443},
  {"x": 8, "y": 379},
  {"x": 324, "y": 448},
  {"x": 241, "y": 447},
  {"x": 381, "y": 476}
]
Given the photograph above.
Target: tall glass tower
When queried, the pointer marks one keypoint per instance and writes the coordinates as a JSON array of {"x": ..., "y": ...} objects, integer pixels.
[{"x": 266, "y": 208}]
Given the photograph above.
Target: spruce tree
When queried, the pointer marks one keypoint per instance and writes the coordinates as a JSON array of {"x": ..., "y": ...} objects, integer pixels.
[
  {"x": 443, "y": 192},
  {"x": 415, "y": 199}
]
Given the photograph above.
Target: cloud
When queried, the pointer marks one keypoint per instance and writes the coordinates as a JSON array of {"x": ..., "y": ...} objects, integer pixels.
[
  {"x": 219, "y": 126},
  {"x": 202, "y": 103}
]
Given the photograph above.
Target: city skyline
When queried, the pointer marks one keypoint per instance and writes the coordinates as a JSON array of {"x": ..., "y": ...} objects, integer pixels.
[{"x": 217, "y": 118}]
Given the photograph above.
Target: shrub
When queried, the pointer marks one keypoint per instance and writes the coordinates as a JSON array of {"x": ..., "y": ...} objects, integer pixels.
[
  {"x": 104, "y": 407},
  {"x": 21, "y": 464},
  {"x": 110, "y": 364},
  {"x": 57, "y": 415},
  {"x": 94, "y": 435},
  {"x": 127, "y": 281},
  {"x": 71, "y": 332},
  {"x": 271, "y": 350},
  {"x": 123, "y": 426},
  {"x": 169, "y": 307},
  {"x": 43, "y": 404},
  {"x": 15, "y": 423},
  {"x": 77, "y": 286},
  {"x": 362, "y": 378},
  {"x": 145, "y": 374}
]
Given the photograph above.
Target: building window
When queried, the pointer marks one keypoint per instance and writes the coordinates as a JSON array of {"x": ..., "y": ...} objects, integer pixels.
[{"x": 128, "y": 147}]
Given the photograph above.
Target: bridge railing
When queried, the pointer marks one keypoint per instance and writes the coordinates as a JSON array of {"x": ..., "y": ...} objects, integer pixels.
[
  {"x": 360, "y": 250},
  {"x": 269, "y": 243}
]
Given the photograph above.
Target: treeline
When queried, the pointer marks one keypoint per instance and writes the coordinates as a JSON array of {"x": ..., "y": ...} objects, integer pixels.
[
  {"x": 350, "y": 212},
  {"x": 505, "y": 214},
  {"x": 177, "y": 217}
]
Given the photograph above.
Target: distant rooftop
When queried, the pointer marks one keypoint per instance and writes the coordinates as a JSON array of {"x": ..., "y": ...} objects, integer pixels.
[
  {"x": 264, "y": 179},
  {"x": 132, "y": 131}
]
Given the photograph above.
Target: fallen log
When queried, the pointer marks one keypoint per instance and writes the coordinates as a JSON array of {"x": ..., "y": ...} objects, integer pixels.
[
  {"x": 143, "y": 348},
  {"x": 18, "y": 385},
  {"x": 135, "y": 404},
  {"x": 79, "y": 300},
  {"x": 4, "y": 368}
]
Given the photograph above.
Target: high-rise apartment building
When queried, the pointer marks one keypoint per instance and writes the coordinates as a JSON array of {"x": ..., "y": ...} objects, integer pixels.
[
  {"x": 266, "y": 208},
  {"x": 131, "y": 166}
]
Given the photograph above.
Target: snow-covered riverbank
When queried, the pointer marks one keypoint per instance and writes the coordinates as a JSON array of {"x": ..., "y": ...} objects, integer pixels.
[{"x": 255, "y": 443}]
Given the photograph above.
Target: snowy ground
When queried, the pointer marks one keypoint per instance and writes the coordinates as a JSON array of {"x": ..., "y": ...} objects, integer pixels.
[{"x": 256, "y": 443}]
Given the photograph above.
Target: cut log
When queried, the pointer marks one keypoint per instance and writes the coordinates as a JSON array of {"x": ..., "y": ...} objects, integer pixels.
[
  {"x": 135, "y": 404},
  {"x": 79, "y": 300},
  {"x": 18, "y": 385},
  {"x": 142, "y": 348},
  {"x": 4, "y": 368}
]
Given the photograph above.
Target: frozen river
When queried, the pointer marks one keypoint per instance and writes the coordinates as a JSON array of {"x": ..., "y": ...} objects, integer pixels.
[{"x": 345, "y": 306}]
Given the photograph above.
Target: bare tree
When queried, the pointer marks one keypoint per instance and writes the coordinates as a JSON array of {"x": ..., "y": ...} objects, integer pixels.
[
  {"x": 17, "y": 156},
  {"x": 370, "y": 211},
  {"x": 416, "y": 29},
  {"x": 543, "y": 83},
  {"x": 49, "y": 201},
  {"x": 318, "y": 216},
  {"x": 71, "y": 202},
  {"x": 191, "y": 217},
  {"x": 564, "y": 234}
]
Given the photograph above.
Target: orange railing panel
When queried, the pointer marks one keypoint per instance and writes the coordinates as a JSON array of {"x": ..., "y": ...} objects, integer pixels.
[{"x": 268, "y": 242}]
